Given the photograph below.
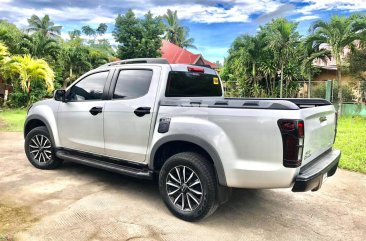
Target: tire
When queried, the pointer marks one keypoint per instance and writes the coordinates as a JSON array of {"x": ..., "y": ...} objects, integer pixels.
[
  {"x": 183, "y": 198},
  {"x": 40, "y": 150}
]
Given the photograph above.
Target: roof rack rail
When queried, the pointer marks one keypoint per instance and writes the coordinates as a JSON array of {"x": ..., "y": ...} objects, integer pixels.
[{"x": 137, "y": 61}]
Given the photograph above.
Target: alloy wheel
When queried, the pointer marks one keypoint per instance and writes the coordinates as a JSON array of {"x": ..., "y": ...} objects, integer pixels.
[
  {"x": 184, "y": 188},
  {"x": 40, "y": 148}
]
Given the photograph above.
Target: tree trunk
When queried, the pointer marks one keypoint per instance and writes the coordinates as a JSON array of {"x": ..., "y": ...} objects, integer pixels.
[
  {"x": 253, "y": 72},
  {"x": 309, "y": 86},
  {"x": 65, "y": 80},
  {"x": 6, "y": 94},
  {"x": 339, "y": 81},
  {"x": 28, "y": 93},
  {"x": 286, "y": 89},
  {"x": 281, "y": 81}
]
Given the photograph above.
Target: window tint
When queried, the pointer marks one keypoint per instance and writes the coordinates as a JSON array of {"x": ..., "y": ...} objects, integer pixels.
[
  {"x": 132, "y": 84},
  {"x": 89, "y": 88},
  {"x": 188, "y": 84}
]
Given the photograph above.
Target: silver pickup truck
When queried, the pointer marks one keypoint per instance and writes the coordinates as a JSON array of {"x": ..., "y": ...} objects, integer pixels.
[{"x": 146, "y": 118}]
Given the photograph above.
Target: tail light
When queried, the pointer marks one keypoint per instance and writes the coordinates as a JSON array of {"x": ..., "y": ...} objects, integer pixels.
[{"x": 293, "y": 133}]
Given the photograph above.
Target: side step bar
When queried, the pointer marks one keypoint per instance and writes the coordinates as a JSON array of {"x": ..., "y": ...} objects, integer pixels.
[{"x": 142, "y": 173}]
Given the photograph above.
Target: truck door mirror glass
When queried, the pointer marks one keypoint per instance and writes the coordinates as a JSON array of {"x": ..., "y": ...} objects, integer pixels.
[{"x": 60, "y": 95}]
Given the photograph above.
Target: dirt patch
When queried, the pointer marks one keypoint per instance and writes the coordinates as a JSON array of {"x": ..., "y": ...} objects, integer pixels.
[
  {"x": 13, "y": 219},
  {"x": 80, "y": 203}
]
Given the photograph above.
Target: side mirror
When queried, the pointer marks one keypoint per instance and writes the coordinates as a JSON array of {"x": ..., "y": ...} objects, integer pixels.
[{"x": 60, "y": 95}]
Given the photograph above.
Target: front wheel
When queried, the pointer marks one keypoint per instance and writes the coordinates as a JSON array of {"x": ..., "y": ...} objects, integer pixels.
[
  {"x": 187, "y": 184},
  {"x": 40, "y": 150}
]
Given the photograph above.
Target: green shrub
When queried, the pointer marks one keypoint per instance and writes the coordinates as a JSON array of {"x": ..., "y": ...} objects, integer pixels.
[
  {"x": 319, "y": 91},
  {"x": 19, "y": 99},
  {"x": 347, "y": 94}
]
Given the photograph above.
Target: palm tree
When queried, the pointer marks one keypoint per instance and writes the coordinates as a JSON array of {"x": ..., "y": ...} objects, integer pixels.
[
  {"x": 282, "y": 38},
  {"x": 172, "y": 26},
  {"x": 183, "y": 40},
  {"x": 338, "y": 33},
  {"x": 311, "y": 52},
  {"x": 40, "y": 46},
  {"x": 75, "y": 60},
  {"x": 175, "y": 33},
  {"x": 249, "y": 49},
  {"x": 268, "y": 69},
  {"x": 88, "y": 31},
  {"x": 102, "y": 29},
  {"x": 74, "y": 34},
  {"x": 43, "y": 26},
  {"x": 28, "y": 69}
]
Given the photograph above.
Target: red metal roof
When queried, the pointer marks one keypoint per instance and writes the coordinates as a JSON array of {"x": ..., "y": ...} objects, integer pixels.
[
  {"x": 177, "y": 55},
  {"x": 213, "y": 65}
]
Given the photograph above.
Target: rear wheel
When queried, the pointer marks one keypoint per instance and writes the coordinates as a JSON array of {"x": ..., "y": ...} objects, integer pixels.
[
  {"x": 187, "y": 184},
  {"x": 40, "y": 150}
]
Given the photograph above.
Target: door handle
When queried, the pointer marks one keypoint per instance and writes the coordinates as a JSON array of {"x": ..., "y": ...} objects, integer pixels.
[
  {"x": 96, "y": 110},
  {"x": 141, "y": 111}
]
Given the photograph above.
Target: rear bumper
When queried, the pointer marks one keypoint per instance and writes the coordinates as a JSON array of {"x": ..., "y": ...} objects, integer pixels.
[{"x": 311, "y": 176}]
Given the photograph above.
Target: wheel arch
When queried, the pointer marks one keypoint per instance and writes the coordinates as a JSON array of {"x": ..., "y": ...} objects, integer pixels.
[
  {"x": 37, "y": 121},
  {"x": 173, "y": 144}
]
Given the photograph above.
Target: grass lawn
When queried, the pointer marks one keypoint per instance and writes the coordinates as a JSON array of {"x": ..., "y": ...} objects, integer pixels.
[
  {"x": 351, "y": 137},
  {"x": 351, "y": 140},
  {"x": 12, "y": 119}
]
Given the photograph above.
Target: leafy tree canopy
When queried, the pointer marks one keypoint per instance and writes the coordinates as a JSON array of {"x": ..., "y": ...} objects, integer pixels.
[
  {"x": 138, "y": 38},
  {"x": 12, "y": 37}
]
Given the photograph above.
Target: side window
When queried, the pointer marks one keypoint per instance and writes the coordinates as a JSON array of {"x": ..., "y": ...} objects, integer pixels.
[
  {"x": 132, "y": 84},
  {"x": 89, "y": 88}
]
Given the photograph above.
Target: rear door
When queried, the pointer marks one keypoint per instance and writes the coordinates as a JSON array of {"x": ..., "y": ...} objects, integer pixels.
[
  {"x": 129, "y": 112},
  {"x": 320, "y": 125}
]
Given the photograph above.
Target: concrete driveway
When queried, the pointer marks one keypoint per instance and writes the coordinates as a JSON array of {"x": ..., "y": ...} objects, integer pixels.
[{"x": 81, "y": 203}]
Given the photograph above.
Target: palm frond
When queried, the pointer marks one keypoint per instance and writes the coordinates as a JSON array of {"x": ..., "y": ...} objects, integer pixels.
[{"x": 29, "y": 69}]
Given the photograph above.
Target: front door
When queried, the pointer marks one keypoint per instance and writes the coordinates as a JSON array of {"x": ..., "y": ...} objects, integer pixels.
[
  {"x": 80, "y": 119},
  {"x": 128, "y": 115}
]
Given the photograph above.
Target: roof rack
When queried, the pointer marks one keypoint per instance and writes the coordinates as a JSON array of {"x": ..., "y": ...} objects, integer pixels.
[{"x": 137, "y": 61}]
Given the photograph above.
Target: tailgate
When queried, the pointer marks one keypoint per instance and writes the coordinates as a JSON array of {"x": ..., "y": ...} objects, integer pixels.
[{"x": 320, "y": 126}]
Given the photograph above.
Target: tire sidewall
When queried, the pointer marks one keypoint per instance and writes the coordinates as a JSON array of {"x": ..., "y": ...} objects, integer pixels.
[
  {"x": 209, "y": 191},
  {"x": 40, "y": 131}
]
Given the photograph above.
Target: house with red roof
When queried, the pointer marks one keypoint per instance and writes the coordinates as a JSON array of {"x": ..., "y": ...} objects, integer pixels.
[{"x": 177, "y": 55}]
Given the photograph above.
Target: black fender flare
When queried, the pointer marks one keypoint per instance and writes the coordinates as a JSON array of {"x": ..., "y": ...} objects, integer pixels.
[
  {"x": 42, "y": 119},
  {"x": 197, "y": 141}
]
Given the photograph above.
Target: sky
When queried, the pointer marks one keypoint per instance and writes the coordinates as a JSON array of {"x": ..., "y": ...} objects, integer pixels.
[{"x": 213, "y": 24}]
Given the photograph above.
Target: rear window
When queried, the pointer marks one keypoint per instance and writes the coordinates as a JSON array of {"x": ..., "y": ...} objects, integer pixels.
[
  {"x": 132, "y": 83},
  {"x": 188, "y": 84}
]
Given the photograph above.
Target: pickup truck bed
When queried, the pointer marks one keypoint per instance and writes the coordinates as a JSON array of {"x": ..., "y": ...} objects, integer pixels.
[{"x": 249, "y": 142}]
